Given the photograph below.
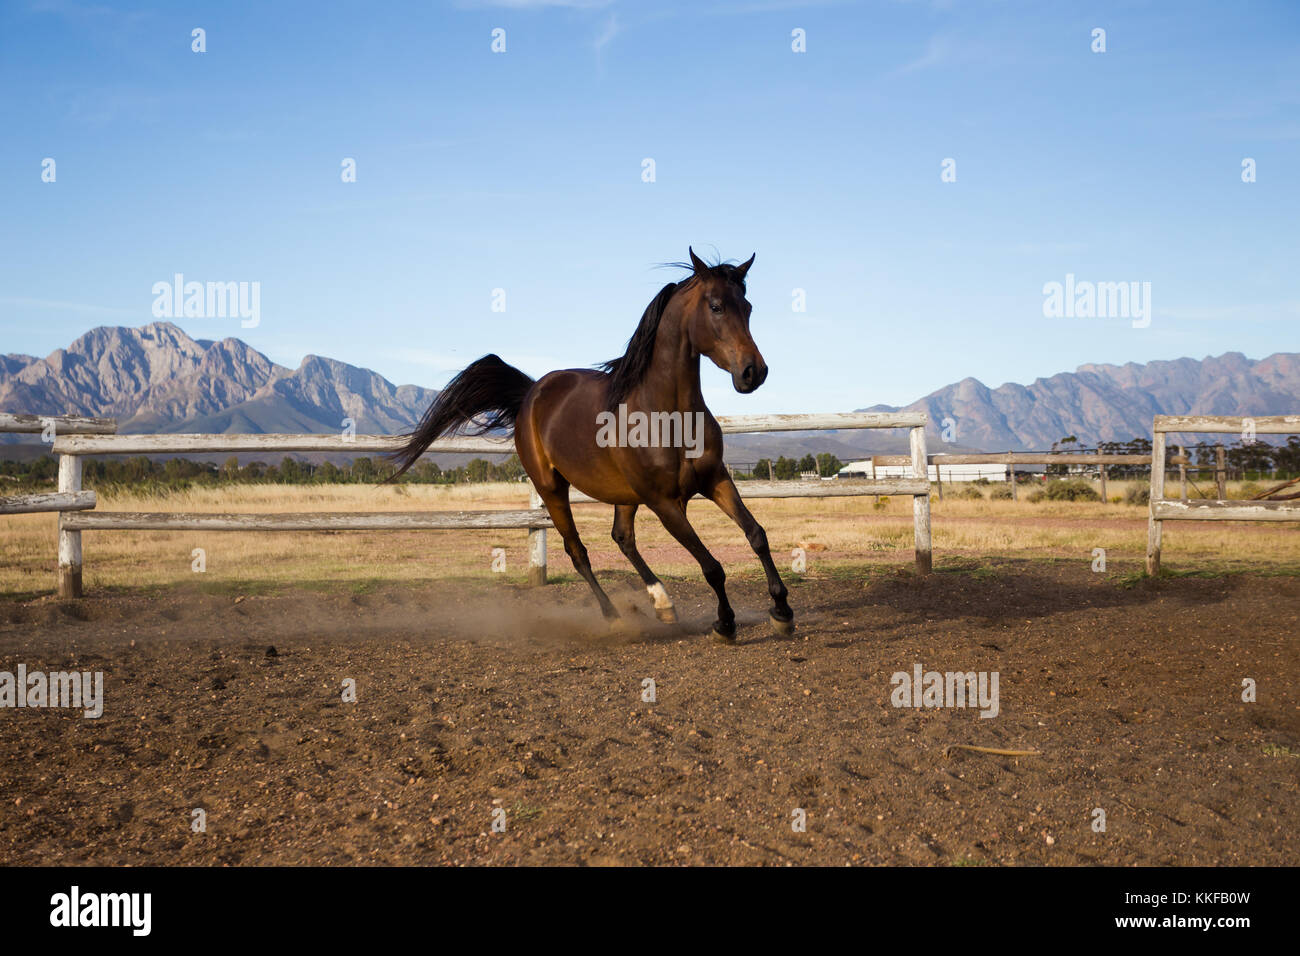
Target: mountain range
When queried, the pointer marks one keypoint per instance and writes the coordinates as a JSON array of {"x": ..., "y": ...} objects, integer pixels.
[
  {"x": 156, "y": 378},
  {"x": 1110, "y": 402}
]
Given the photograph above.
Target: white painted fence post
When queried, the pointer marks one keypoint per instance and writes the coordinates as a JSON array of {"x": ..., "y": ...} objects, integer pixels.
[
  {"x": 921, "y": 503},
  {"x": 536, "y": 544},
  {"x": 69, "y": 541}
]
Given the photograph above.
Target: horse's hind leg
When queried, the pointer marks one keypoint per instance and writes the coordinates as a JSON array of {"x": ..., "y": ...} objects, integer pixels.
[
  {"x": 556, "y": 500},
  {"x": 624, "y": 535},
  {"x": 673, "y": 515}
]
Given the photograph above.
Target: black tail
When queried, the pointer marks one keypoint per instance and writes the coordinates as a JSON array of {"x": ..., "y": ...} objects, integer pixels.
[{"x": 483, "y": 397}]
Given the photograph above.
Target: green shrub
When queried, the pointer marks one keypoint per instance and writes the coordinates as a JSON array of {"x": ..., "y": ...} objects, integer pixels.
[
  {"x": 969, "y": 493},
  {"x": 1074, "y": 489},
  {"x": 1002, "y": 491},
  {"x": 1138, "y": 495}
]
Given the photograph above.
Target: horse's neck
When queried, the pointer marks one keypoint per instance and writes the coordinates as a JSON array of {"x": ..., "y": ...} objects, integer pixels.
[{"x": 672, "y": 383}]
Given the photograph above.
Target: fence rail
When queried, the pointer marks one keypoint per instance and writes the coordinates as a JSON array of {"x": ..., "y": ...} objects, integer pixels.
[
  {"x": 31, "y": 504},
  {"x": 64, "y": 500},
  {"x": 1228, "y": 424},
  {"x": 307, "y": 521},
  {"x": 95, "y": 437},
  {"x": 1221, "y": 509},
  {"x": 63, "y": 424},
  {"x": 1013, "y": 458}
]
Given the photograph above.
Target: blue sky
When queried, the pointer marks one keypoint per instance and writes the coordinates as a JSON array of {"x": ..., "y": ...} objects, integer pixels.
[{"x": 522, "y": 171}]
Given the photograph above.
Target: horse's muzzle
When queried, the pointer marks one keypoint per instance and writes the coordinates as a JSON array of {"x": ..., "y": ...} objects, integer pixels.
[{"x": 751, "y": 376}]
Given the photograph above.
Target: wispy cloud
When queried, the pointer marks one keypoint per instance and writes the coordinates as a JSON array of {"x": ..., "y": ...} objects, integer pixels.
[
  {"x": 453, "y": 360},
  {"x": 937, "y": 51},
  {"x": 607, "y": 33},
  {"x": 540, "y": 4},
  {"x": 78, "y": 307},
  {"x": 1261, "y": 312},
  {"x": 98, "y": 108}
]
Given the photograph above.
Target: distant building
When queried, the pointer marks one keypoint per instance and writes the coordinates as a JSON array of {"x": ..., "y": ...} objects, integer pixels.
[{"x": 862, "y": 469}]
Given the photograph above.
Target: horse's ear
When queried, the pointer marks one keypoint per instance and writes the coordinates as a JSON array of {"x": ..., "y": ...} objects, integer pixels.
[
  {"x": 697, "y": 263},
  {"x": 744, "y": 267}
]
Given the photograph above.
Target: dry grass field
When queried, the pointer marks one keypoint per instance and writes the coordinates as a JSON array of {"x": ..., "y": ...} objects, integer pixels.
[{"x": 834, "y": 532}]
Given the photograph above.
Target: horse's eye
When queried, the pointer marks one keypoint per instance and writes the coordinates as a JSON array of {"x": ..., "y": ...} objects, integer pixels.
[{"x": 716, "y": 307}]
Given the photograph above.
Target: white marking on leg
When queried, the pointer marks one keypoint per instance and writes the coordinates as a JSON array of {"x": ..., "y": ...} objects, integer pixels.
[{"x": 661, "y": 598}]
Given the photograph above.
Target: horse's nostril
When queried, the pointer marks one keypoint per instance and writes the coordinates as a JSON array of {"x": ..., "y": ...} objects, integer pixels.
[{"x": 749, "y": 374}]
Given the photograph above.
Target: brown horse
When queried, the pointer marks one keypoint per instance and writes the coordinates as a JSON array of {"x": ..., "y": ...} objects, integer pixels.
[{"x": 633, "y": 432}]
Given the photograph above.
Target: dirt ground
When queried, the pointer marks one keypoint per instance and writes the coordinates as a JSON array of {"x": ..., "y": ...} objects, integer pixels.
[{"x": 476, "y": 696}]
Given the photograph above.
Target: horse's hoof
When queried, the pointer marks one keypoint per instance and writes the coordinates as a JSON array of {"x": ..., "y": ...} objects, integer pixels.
[
  {"x": 782, "y": 628},
  {"x": 666, "y": 614},
  {"x": 721, "y": 638}
]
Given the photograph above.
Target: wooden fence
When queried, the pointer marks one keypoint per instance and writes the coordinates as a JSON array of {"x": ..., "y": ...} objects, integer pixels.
[
  {"x": 1013, "y": 458},
  {"x": 71, "y": 448},
  {"x": 1220, "y": 509},
  {"x": 69, "y": 497},
  {"x": 52, "y": 425}
]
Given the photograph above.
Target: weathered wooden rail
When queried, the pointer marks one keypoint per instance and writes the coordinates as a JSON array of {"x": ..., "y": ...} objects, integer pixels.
[
  {"x": 69, "y": 497},
  {"x": 71, "y": 448},
  {"x": 1013, "y": 458},
  {"x": 52, "y": 425},
  {"x": 58, "y": 424},
  {"x": 1172, "y": 509}
]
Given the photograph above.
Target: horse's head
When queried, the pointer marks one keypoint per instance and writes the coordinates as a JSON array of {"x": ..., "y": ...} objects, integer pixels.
[{"x": 717, "y": 321}]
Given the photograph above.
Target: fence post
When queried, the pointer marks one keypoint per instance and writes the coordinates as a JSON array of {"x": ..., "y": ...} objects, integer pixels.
[
  {"x": 1011, "y": 470},
  {"x": 1220, "y": 472},
  {"x": 1182, "y": 470},
  {"x": 536, "y": 544},
  {"x": 69, "y": 541},
  {"x": 1103, "y": 483},
  {"x": 921, "y": 503},
  {"x": 1157, "y": 492}
]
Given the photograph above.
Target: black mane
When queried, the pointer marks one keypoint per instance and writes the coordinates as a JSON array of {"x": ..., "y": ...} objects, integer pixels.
[{"x": 630, "y": 368}]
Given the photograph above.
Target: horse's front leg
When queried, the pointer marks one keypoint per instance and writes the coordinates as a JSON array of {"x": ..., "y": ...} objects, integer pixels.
[
  {"x": 672, "y": 513},
  {"x": 726, "y": 497}
]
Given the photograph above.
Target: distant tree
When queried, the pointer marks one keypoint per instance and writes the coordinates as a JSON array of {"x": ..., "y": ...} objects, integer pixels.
[
  {"x": 426, "y": 471},
  {"x": 512, "y": 469},
  {"x": 828, "y": 465}
]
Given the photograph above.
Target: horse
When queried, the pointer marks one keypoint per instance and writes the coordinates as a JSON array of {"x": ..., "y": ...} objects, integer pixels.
[{"x": 565, "y": 434}]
